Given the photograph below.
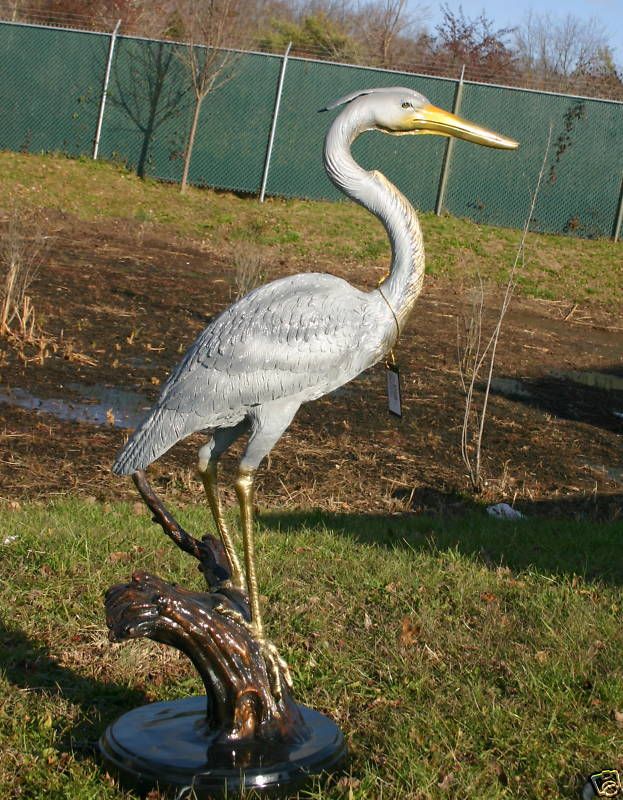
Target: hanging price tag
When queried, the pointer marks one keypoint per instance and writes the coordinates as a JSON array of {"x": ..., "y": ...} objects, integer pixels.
[{"x": 393, "y": 390}]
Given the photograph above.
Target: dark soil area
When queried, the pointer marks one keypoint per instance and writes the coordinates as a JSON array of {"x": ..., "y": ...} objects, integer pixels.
[{"x": 126, "y": 303}]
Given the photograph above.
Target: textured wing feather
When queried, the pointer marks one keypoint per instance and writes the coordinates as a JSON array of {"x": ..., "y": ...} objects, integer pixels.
[
  {"x": 305, "y": 334},
  {"x": 297, "y": 337}
]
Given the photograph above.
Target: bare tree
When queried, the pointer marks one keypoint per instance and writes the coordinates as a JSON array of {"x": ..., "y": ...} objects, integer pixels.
[
  {"x": 477, "y": 353},
  {"x": 154, "y": 94},
  {"x": 553, "y": 47},
  {"x": 341, "y": 12},
  {"x": 210, "y": 26},
  {"x": 473, "y": 42},
  {"x": 382, "y": 23}
]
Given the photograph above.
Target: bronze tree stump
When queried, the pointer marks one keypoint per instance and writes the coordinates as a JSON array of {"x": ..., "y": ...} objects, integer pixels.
[{"x": 247, "y": 732}]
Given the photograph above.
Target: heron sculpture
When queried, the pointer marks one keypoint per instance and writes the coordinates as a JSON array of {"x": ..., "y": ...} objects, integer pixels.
[{"x": 297, "y": 338}]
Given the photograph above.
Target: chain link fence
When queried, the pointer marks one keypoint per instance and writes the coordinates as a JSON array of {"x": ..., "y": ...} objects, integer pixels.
[{"x": 52, "y": 92}]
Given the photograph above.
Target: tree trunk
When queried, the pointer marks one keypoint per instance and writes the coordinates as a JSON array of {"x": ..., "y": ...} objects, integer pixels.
[{"x": 190, "y": 143}]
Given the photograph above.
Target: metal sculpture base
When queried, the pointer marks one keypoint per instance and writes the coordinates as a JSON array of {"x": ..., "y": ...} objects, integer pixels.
[
  {"x": 247, "y": 732},
  {"x": 169, "y": 746}
]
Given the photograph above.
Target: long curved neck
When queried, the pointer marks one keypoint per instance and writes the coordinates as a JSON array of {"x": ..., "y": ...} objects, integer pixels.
[{"x": 373, "y": 191}]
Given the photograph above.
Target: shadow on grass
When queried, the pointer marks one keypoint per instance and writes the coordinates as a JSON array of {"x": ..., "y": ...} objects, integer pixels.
[
  {"x": 581, "y": 507},
  {"x": 568, "y": 547},
  {"x": 28, "y": 665}
]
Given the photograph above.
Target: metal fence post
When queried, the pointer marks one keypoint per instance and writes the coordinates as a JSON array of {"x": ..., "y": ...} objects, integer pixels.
[
  {"x": 100, "y": 118},
  {"x": 445, "y": 166},
  {"x": 619, "y": 216},
  {"x": 273, "y": 127}
]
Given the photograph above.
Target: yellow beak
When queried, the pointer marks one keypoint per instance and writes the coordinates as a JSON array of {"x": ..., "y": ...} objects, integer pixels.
[{"x": 430, "y": 119}]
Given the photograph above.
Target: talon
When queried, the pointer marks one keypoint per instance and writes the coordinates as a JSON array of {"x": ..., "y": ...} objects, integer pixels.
[
  {"x": 231, "y": 613},
  {"x": 276, "y": 667},
  {"x": 237, "y": 586}
]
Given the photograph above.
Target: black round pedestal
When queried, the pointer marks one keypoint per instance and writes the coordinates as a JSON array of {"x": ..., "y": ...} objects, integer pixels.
[{"x": 168, "y": 745}]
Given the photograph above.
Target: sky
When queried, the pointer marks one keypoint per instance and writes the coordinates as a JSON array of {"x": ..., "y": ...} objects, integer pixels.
[{"x": 506, "y": 14}]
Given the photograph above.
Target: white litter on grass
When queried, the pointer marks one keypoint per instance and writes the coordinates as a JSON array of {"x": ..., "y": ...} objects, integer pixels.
[
  {"x": 9, "y": 539},
  {"x": 504, "y": 511}
]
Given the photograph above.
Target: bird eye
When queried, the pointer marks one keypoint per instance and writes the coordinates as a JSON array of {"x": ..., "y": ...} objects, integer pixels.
[{"x": 406, "y": 104}]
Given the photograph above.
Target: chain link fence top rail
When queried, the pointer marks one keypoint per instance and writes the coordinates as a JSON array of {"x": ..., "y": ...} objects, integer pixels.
[{"x": 51, "y": 86}]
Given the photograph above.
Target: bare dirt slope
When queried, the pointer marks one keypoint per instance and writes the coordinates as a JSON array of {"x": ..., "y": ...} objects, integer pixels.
[{"x": 129, "y": 303}]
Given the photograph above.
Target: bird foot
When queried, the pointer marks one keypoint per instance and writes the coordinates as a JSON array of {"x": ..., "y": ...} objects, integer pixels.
[
  {"x": 276, "y": 666},
  {"x": 236, "y": 585},
  {"x": 231, "y": 613}
]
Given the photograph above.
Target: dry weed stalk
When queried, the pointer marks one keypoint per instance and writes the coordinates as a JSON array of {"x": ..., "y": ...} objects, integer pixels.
[
  {"x": 21, "y": 250},
  {"x": 249, "y": 269},
  {"x": 21, "y": 253},
  {"x": 474, "y": 357}
]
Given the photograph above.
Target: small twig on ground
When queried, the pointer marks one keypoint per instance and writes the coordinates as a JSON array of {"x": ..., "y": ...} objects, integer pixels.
[{"x": 570, "y": 313}]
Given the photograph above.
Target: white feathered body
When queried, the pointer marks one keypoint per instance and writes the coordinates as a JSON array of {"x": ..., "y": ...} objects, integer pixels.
[{"x": 298, "y": 338}]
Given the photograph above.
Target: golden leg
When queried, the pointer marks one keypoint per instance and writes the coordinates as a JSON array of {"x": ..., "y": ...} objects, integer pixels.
[
  {"x": 276, "y": 666},
  {"x": 244, "y": 490},
  {"x": 209, "y": 476}
]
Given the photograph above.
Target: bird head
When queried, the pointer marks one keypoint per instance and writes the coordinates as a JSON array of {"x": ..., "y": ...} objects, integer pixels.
[{"x": 401, "y": 111}]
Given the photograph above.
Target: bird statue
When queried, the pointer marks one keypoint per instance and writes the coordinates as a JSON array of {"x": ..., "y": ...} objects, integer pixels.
[{"x": 300, "y": 337}]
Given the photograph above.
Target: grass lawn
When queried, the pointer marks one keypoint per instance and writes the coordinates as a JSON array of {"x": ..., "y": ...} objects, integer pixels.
[
  {"x": 463, "y": 658},
  {"x": 313, "y": 234}
]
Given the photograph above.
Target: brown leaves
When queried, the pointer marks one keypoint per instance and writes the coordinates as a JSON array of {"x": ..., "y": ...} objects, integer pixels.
[
  {"x": 385, "y": 702},
  {"x": 445, "y": 781},
  {"x": 409, "y": 633},
  {"x": 119, "y": 557},
  {"x": 347, "y": 785},
  {"x": 124, "y": 556},
  {"x": 541, "y": 656}
]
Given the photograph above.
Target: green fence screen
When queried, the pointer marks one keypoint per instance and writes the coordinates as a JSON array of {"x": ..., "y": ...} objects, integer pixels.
[
  {"x": 50, "y": 85},
  {"x": 51, "y": 88}
]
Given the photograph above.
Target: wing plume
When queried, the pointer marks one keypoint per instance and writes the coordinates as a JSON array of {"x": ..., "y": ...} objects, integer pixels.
[{"x": 154, "y": 436}]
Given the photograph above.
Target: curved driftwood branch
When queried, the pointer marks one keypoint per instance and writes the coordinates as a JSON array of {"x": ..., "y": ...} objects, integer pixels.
[
  {"x": 209, "y": 551},
  {"x": 212, "y": 629}
]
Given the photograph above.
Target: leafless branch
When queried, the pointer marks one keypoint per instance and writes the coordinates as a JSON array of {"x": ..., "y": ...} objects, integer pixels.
[
  {"x": 210, "y": 25},
  {"x": 484, "y": 357}
]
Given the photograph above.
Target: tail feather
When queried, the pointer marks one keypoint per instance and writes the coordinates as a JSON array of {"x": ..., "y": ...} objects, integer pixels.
[{"x": 155, "y": 435}]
